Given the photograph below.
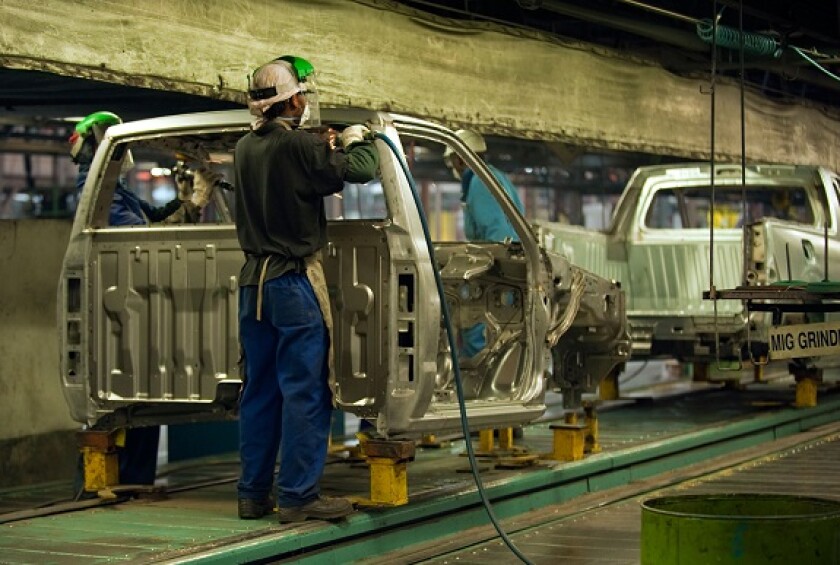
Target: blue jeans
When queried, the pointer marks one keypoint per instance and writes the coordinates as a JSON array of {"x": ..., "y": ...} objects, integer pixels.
[
  {"x": 138, "y": 459},
  {"x": 286, "y": 403}
]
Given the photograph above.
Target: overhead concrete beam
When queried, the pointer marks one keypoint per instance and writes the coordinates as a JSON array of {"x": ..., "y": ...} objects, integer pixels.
[{"x": 380, "y": 55}]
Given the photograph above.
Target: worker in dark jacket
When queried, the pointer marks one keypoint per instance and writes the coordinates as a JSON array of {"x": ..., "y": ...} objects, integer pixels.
[{"x": 283, "y": 173}]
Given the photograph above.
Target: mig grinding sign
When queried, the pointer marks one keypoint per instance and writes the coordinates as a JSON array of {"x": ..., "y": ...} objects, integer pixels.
[{"x": 805, "y": 340}]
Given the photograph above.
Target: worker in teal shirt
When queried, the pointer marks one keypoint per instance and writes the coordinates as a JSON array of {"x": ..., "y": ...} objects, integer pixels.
[{"x": 484, "y": 219}]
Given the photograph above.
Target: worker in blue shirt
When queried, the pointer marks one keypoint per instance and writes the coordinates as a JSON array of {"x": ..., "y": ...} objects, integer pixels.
[
  {"x": 138, "y": 455},
  {"x": 128, "y": 209},
  {"x": 484, "y": 219}
]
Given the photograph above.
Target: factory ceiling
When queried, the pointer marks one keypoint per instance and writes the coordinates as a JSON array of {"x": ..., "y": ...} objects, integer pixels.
[{"x": 791, "y": 48}]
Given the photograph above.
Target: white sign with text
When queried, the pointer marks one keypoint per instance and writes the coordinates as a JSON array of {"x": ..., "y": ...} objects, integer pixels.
[{"x": 805, "y": 340}]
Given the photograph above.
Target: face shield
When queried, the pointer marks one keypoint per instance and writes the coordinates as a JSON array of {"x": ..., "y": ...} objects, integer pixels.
[
  {"x": 311, "y": 117},
  {"x": 453, "y": 162},
  {"x": 305, "y": 74},
  {"x": 127, "y": 164},
  {"x": 77, "y": 143}
]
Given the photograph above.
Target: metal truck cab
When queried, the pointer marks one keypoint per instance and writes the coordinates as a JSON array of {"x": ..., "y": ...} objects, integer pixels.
[
  {"x": 659, "y": 246},
  {"x": 147, "y": 315},
  {"x": 669, "y": 256}
]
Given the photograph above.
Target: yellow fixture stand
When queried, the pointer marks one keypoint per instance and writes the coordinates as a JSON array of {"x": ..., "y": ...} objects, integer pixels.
[
  {"x": 590, "y": 444},
  {"x": 388, "y": 472},
  {"x": 569, "y": 440},
  {"x": 99, "y": 451},
  {"x": 807, "y": 383}
]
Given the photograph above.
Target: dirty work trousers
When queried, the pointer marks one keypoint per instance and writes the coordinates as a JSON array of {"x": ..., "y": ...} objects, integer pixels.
[
  {"x": 286, "y": 403},
  {"x": 138, "y": 459}
]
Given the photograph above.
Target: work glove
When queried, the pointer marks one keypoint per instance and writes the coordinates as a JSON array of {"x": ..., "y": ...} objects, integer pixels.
[
  {"x": 204, "y": 182},
  {"x": 353, "y": 134}
]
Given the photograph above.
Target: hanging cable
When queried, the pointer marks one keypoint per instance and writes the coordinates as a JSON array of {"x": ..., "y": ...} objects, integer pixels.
[
  {"x": 805, "y": 56},
  {"x": 752, "y": 43},
  {"x": 712, "y": 86},
  {"x": 745, "y": 209},
  {"x": 459, "y": 387}
]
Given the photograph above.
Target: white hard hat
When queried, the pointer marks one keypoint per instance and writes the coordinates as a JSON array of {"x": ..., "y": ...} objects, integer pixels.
[
  {"x": 472, "y": 139},
  {"x": 272, "y": 83},
  {"x": 278, "y": 81},
  {"x": 280, "y": 76}
]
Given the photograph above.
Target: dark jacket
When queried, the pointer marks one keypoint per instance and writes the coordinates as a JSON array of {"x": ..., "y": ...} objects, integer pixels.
[{"x": 282, "y": 177}]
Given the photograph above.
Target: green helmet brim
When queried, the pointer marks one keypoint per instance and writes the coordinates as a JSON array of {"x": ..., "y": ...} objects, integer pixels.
[
  {"x": 100, "y": 119},
  {"x": 302, "y": 67}
]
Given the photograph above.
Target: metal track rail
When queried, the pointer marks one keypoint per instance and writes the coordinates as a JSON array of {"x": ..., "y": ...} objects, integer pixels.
[
  {"x": 641, "y": 441},
  {"x": 606, "y": 528},
  {"x": 434, "y": 517}
]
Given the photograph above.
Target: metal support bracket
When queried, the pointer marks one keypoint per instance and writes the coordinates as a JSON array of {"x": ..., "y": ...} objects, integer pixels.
[
  {"x": 807, "y": 384},
  {"x": 590, "y": 444},
  {"x": 99, "y": 451},
  {"x": 506, "y": 455},
  {"x": 568, "y": 441},
  {"x": 608, "y": 387},
  {"x": 388, "y": 471}
]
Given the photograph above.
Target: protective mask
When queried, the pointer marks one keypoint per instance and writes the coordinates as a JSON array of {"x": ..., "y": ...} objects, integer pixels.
[
  {"x": 304, "y": 117},
  {"x": 127, "y": 164},
  {"x": 447, "y": 160}
]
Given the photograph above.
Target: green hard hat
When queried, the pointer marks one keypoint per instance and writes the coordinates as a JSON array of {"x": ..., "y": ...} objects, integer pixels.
[
  {"x": 97, "y": 119},
  {"x": 302, "y": 67}
]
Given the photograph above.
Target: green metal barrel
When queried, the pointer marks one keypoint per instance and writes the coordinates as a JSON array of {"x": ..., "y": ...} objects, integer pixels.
[{"x": 742, "y": 529}]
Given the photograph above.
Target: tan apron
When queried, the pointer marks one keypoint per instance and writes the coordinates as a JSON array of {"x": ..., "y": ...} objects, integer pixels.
[{"x": 315, "y": 276}]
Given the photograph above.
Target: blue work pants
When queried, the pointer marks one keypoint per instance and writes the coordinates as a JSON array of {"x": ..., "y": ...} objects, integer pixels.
[
  {"x": 286, "y": 402},
  {"x": 138, "y": 459}
]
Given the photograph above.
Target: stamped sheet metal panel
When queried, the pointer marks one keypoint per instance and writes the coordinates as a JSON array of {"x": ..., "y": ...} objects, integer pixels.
[
  {"x": 586, "y": 248},
  {"x": 165, "y": 323},
  {"x": 788, "y": 250},
  {"x": 669, "y": 271},
  {"x": 356, "y": 266}
]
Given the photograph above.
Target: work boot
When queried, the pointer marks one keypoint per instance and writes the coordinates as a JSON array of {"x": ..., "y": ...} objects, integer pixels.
[
  {"x": 322, "y": 508},
  {"x": 253, "y": 508}
]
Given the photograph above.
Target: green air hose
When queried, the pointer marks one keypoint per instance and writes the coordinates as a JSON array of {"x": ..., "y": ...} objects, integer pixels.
[{"x": 754, "y": 43}]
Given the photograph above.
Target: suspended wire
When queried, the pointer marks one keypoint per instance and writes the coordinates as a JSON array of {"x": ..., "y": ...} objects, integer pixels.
[
  {"x": 660, "y": 11},
  {"x": 805, "y": 56},
  {"x": 745, "y": 209}
]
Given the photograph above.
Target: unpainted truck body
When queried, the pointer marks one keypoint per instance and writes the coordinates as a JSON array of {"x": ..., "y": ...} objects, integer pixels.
[
  {"x": 659, "y": 247},
  {"x": 148, "y": 315}
]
